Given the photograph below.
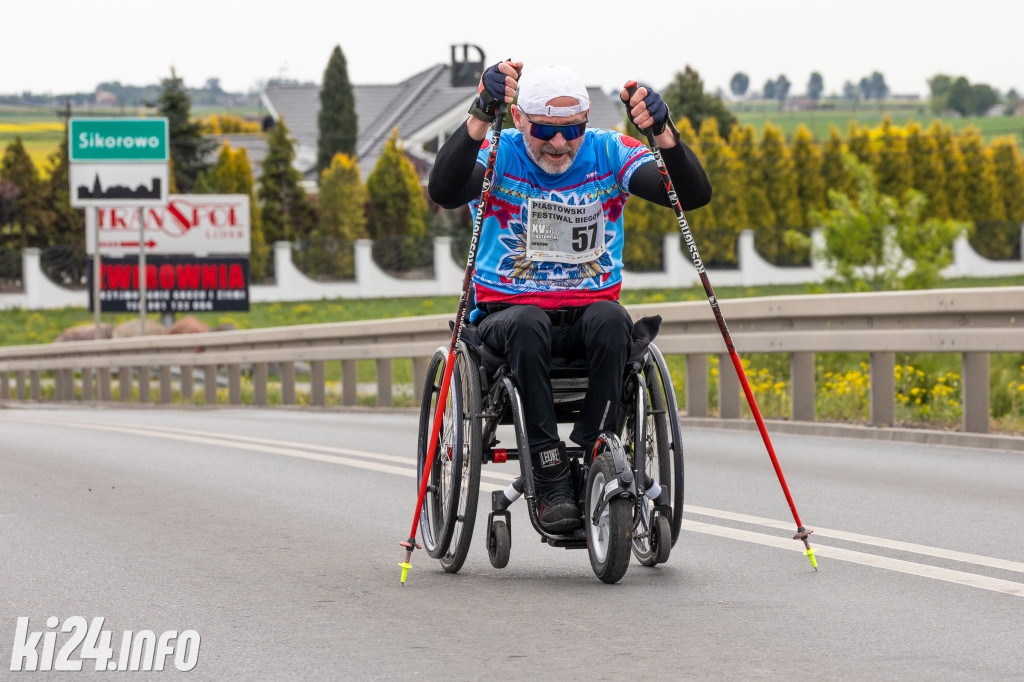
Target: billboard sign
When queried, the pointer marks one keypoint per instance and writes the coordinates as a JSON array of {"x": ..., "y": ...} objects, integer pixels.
[
  {"x": 187, "y": 224},
  {"x": 174, "y": 284}
]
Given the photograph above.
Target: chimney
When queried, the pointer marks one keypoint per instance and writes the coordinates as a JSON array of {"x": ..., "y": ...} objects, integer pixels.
[{"x": 466, "y": 73}]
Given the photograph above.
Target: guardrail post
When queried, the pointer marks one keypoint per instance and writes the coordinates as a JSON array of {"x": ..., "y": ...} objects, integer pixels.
[
  {"x": 259, "y": 383},
  {"x": 19, "y": 385},
  {"x": 801, "y": 373},
  {"x": 144, "y": 384},
  {"x": 59, "y": 390},
  {"x": 384, "y": 377},
  {"x": 697, "y": 385},
  {"x": 69, "y": 384},
  {"x": 5, "y": 386},
  {"x": 87, "y": 388},
  {"x": 728, "y": 389},
  {"x": 976, "y": 392},
  {"x": 166, "y": 388},
  {"x": 349, "y": 379},
  {"x": 186, "y": 382},
  {"x": 287, "y": 383},
  {"x": 317, "y": 394},
  {"x": 883, "y": 388},
  {"x": 103, "y": 384},
  {"x": 124, "y": 382},
  {"x": 33, "y": 378},
  {"x": 235, "y": 384},
  {"x": 419, "y": 377},
  {"x": 209, "y": 384}
]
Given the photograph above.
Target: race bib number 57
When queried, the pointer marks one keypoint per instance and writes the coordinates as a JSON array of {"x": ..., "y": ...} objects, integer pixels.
[{"x": 563, "y": 233}]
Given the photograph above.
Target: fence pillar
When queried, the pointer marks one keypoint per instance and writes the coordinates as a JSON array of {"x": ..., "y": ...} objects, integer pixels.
[
  {"x": 349, "y": 379},
  {"x": 33, "y": 380},
  {"x": 384, "y": 378},
  {"x": 317, "y": 395},
  {"x": 419, "y": 377},
  {"x": 5, "y": 386},
  {"x": 209, "y": 384},
  {"x": 259, "y": 383},
  {"x": 87, "y": 388},
  {"x": 801, "y": 373},
  {"x": 144, "y": 384},
  {"x": 166, "y": 388},
  {"x": 697, "y": 385},
  {"x": 19, "y": 385},
  {"x": 883, "y": 388},
  {"x": 103, "y": 384},
  {"x": 976, "y": 392},
  {"x": 235, "y": 384},
  {"x": 124, "y": 382},
  {"x": 728, "y": 389},
  {"x": 287, "y": 383}
]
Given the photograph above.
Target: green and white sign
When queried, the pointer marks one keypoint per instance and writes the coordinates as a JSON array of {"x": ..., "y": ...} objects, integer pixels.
[{"x": 131, "y": 140}]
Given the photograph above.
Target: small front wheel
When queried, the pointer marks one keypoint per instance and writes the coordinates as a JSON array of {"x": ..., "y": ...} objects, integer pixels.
[
  {"x": 499, "y": 544},
  {"x": 609, "y": 525}
]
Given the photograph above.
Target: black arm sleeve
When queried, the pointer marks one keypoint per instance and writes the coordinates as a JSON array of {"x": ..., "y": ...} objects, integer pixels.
[
  {"x": 456, "y": 178},
  {"x": 688, "y": 176}
]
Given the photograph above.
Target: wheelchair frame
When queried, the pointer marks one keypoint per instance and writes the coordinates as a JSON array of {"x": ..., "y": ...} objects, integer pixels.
[{"x": 630, "y": 485}]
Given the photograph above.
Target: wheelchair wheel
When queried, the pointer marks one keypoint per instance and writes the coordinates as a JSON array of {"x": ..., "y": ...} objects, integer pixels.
[
  {"x": 608, "y": 536},
  {"x": 449, "y": 507},
  {"x": 667, "y": 434},
  {"x": 499, "y": 543},
  {"x": 468, "y": 381}
]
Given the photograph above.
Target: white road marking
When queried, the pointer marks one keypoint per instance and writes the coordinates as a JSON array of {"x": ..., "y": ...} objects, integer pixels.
[{"x": 292, "y": 449}]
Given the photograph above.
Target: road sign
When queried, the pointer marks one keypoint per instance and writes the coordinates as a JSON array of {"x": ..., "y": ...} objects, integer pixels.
[
  {"x": 174, "y": 284},
  {"x": 118, "y": 184},
  {"x": 187, "y": 224},
  {"x": 136, "y": 140}
]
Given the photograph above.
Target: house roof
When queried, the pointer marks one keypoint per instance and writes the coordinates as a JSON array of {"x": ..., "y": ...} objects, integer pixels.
[{"x": 422, "y": 107}]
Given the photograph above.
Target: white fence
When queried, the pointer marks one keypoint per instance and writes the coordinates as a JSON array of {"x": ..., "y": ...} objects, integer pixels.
[{"x": 372, "y": 282}]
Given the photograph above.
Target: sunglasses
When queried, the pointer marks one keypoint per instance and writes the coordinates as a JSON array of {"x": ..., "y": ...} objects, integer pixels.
[{"x": 546, "y": 131}]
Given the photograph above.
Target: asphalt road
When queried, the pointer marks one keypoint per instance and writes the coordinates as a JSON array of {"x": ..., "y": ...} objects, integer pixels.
[{"x": 273, "y": 535}]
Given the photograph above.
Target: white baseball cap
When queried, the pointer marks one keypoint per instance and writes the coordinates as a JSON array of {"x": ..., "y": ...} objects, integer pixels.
[{"x": 540, "y": 85}]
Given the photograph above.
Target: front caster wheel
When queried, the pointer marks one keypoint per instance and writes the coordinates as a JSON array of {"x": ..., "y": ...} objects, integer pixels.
[
  {"x": 499, "y": 543},
  {"x": 609, "y": 525}
]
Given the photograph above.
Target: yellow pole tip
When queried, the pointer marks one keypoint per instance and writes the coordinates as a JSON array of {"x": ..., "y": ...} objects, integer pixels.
[
  {"x": 810, "y": 555},
  {"x": 405, "y": 570}
]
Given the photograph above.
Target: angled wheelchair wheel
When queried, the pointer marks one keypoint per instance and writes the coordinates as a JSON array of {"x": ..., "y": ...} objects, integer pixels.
[
  {"x": 658, "y": 444},
  {"x": 468, "y": 381},
  {"x": 608, "y": 525},
  {"x": 449, "y": 507}
]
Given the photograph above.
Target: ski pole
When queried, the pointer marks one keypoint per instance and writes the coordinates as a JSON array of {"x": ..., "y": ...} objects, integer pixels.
[
  {"x": 691, "y": 245},
  {"x": 453, "y": 348}
]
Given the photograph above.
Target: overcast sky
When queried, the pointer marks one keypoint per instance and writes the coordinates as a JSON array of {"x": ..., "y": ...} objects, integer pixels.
[{"x": 71, "y": 45}]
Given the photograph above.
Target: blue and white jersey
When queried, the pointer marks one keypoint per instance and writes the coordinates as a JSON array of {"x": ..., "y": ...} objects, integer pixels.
[{"x": 512, "y": 262}]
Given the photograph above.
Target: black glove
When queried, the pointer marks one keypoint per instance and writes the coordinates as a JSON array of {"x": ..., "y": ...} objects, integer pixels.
[
  {"x": 656, "y": 107},
  {"x": 491, "y": 93}
]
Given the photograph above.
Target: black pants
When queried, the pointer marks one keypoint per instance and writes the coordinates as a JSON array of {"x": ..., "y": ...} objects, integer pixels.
[{"x": 528, "y": 339}]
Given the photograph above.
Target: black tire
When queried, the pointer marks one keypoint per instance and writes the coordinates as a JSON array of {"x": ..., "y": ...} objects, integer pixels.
[
  {"x": 661, "y": 539},
  {"x": 668, "y": 435},
  {"x": 468, "y": 379},
  {"x": 499, "y": 543},
  {"x": 440, "y": 504},
  {"x": 608, "y": 540}
]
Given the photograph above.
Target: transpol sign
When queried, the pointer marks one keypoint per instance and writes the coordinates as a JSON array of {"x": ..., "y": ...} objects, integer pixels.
[{"x": 179, "y": 216}]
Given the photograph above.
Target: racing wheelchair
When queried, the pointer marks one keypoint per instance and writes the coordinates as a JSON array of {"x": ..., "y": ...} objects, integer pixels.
[{"x": 629, "y": 488}]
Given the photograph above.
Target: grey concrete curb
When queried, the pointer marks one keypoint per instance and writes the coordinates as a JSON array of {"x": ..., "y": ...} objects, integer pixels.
[{"x": 896, "y": 435}]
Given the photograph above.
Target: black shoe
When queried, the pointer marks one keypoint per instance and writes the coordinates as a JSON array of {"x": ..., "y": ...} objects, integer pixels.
[{"x": 556, "y": 505}]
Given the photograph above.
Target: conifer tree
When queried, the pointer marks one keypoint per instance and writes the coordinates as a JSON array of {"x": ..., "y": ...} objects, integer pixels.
[
  {"x": 24, "y": 203},
  {"x": 954, "y": 168},
  {"x": 337, "y": 120},
  {"x": 685, "y": 97},
  {"x": 779, "y": 178},
  {"x": 833, "y": 167},
  {"x": 287, "y": 213},
  {"x": 809, "y": 162},
  {"x": 67, "y": 225},
  {"x": 929, "y": 171},
  {"x": 751, "y": 173},
  {"x": 1009, "y": 171},
  {"x": 730, "y": 207},
  {"x": 189, "y": 148},
  {"x": 396, "y": 196},
  {"x": 232, "y": 174},
  {"x": 342, "y": 217},
  {"x": 859, "y": 142},
  {"x": 894, "y": 171},
  {"x": 984, "y": 202}
]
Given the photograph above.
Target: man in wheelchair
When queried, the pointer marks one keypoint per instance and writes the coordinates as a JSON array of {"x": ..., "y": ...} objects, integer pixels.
[{"x": 548, "y": 269}]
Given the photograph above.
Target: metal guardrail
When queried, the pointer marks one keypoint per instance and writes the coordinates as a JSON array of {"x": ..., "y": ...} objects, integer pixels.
[{"x": 970, "y": 322}]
